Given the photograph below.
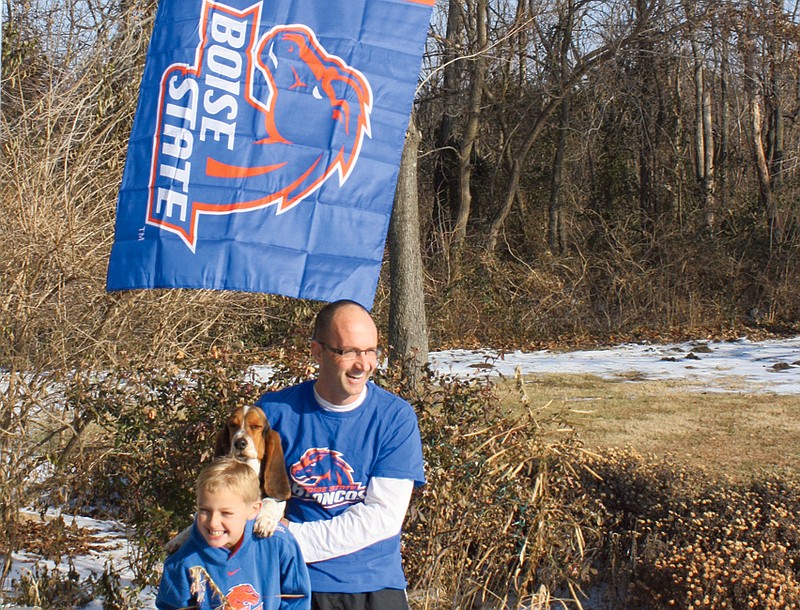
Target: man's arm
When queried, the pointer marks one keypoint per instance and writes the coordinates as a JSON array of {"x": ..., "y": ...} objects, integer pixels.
[{"x": 380, "y": 516}]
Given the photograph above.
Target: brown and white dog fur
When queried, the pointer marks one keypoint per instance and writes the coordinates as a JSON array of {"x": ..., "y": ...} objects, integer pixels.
[{"x": 248, "y": 437}]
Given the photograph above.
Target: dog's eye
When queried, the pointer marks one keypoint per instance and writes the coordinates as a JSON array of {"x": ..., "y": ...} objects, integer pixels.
[{"x": 256, "y": 427}]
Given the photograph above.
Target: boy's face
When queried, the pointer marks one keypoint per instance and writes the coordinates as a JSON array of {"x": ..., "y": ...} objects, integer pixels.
[{"x": 222, "y": 515}]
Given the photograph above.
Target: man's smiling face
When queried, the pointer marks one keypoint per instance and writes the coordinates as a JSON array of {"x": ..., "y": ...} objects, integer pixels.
[{"x": 341, "y": 381}]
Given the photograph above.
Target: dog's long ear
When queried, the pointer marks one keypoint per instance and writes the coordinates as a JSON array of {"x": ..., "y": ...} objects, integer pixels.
[
  {"x": 222, "y": 446},
  {"x": 276, "y": 483}
]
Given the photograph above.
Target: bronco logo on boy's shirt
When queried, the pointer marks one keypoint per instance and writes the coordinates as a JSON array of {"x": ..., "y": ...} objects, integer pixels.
[{"x": 244, "y": 597}]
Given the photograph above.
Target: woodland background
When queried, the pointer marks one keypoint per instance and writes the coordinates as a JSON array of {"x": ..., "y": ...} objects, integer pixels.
[{"x": 587, "y": 171}]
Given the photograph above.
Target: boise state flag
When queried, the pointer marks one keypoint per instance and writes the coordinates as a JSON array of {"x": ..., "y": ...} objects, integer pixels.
[{"x": 266, "y": 144}]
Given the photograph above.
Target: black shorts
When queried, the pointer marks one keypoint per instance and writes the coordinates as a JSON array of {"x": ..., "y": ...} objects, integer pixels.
[{"x": 385, "y": 599}]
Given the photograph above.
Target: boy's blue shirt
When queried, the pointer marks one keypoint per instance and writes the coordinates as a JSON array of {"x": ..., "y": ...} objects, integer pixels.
[{"x": 255, "y": 576}]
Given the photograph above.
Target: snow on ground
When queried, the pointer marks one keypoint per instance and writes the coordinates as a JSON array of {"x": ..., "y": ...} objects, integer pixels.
[
  {"x": 109, "y": 546},
  {"x": 741, "y": 365},
  {"x": 766, "y": 366}
]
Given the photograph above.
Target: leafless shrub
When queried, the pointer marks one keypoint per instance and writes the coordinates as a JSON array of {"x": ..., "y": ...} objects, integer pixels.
[
  {"x": 515, "y": 511},
  {"x": 28, "y": 426},
  {"x": 680, "y": 538},
  {"x": 110, "y": 444},
  {"x": 503, "y": 518}
]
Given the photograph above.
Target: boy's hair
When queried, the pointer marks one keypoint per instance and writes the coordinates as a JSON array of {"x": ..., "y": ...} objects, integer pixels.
[{"x": 229, "y": 474}]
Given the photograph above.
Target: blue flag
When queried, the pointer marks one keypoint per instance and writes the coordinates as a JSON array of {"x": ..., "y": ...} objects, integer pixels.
[{"x": 266, "y": 144}]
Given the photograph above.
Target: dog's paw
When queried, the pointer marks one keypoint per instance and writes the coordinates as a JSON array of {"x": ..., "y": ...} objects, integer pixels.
[
  {"x": 268, "y": 517},
  {"x": 177, "y": 542}
]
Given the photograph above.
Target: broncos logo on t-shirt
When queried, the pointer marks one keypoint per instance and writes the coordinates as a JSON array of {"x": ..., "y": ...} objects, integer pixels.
[{"x": 323, "y": 475}]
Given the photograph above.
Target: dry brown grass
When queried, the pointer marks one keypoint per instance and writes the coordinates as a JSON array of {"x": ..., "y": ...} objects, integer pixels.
[{"x": 735, "y": 433}]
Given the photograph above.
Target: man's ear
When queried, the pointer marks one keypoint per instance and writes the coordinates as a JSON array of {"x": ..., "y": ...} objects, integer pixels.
[{"x": 316, "y": 350}]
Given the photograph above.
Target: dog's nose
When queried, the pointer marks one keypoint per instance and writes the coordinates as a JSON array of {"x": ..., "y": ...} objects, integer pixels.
[{"x": 240, "y": 444}]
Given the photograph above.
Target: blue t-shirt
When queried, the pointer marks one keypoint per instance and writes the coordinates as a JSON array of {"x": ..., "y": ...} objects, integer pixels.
[
  {"x": 256, "y": 575},
  {"x": 330, "y": 458}
]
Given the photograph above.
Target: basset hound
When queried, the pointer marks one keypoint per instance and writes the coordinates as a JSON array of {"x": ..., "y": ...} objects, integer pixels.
[{"x": 248, "y": 437}]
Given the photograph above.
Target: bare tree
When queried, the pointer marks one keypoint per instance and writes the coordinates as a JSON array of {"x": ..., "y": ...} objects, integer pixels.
[
  {"x": 555, "y": 225},
  {"x": 774, "y": 98},
  {"x": 753, "y": 87},
  {"x": 703, "y": 132},
  {"x": 446, "y": 178},
  {"x": 408, "y": 332},
  {"x": 616, "y": 39},
  {"x": 469, "y": 137},
  {"x": 724, "y": 111}
]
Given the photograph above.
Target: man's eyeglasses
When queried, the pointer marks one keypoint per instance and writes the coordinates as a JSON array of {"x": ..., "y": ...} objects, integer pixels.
[{"x": 372, "y": 353}]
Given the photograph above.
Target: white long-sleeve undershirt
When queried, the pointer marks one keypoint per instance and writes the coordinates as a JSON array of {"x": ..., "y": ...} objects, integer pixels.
[{"x": 379, "y": 517}]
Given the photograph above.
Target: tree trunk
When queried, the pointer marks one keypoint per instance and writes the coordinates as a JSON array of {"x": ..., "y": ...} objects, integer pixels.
[
  {"x": 704, "y": 142},
  {"x": 774, "y": 224},
  {"x": 408, "y": 331},
  {"x": 450, "y": 70},
  {"x": 699, "y": 142},
  {"x": 677, "y": 142},
  {"x": 554, "y": 220},
  {"x": 555, "y": 225},
  {"x": 477, "y": 83},
  {"x": 445, "y": 171},
  {"x": 502, "y": 212},
  {"x": 775, "y": 135},
  {"x": 762, "y": 171},
  {"x": 709, "y": 185},
  {"x": 725, "y": 120}
]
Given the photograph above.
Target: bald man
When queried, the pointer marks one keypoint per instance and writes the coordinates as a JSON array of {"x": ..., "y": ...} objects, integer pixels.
[{"x": 353, "y": 453}]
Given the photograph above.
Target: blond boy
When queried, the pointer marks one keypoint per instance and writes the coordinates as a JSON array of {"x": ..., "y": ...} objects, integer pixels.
[{"x": 223, "y": 564}]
